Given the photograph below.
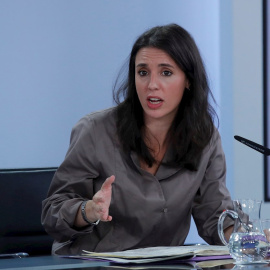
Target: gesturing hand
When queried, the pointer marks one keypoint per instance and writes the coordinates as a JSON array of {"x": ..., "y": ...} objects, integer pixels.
[{"x": 102, "y": 199}]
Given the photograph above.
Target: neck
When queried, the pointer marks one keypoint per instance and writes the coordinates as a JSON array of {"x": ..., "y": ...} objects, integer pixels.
[
  {"x": 157, "y": 143},
  {"x": 156, "y": 132},
  {"x": 156, "y": 139}
]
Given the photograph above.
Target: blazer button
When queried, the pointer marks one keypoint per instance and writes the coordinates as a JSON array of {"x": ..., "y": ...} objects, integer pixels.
[{"x": 165, "y": 210}]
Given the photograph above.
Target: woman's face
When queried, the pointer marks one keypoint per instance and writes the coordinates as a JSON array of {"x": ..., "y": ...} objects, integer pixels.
[{"x": 160, "y": 84}]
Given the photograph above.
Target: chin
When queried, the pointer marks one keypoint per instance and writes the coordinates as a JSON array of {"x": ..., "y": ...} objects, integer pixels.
[{"x": 154, "y": 115}]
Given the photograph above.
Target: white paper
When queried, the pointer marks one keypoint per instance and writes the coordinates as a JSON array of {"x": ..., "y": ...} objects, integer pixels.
[{"x": 151, "y": 254}]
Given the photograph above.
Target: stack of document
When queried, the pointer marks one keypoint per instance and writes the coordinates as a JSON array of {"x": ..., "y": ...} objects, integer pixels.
[{"x": 157, "y": 254}]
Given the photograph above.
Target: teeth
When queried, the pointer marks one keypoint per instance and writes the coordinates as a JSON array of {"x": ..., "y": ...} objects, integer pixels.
[{"x": 154, "y": 100}]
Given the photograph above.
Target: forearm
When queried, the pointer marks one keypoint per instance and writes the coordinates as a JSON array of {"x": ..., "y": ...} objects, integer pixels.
[{"x": 58, "y": 217}]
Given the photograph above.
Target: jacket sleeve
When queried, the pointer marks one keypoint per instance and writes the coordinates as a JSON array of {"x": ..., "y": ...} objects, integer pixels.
[
  {"x": 213, "y": 196},
  {"x": 71, "y": 185}
]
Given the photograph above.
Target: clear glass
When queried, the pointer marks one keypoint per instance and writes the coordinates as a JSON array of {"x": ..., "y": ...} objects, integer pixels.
[
  {"x": 266, "y": 229},
  {"x": 247, "y": 243}
]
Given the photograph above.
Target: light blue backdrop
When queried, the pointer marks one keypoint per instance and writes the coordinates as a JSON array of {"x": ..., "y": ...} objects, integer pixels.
[{"x": 59, "y": 60}]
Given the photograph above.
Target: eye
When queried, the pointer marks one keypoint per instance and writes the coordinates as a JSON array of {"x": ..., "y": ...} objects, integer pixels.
[
  {"x": 166, "y": 73},
  {"x": 142, "y": 72}
]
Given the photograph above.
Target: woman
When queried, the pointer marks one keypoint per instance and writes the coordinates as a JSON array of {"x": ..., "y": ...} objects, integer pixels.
[{"x": 134, "y": 174}]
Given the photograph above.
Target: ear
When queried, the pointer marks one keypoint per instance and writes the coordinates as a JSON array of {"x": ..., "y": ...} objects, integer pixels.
[{"x": 187, "y": 84}]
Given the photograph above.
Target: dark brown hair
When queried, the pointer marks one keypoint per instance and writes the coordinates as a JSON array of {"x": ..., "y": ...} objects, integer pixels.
[{"x": 193, "y": 125}]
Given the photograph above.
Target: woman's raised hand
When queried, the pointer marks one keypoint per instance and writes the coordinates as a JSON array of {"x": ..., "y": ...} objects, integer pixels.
[
  {"x": 102, "y": 199},
  {"x": 98, "y": 207}
]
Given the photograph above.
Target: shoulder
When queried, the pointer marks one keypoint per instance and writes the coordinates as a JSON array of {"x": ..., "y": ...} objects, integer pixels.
[
  {"x": 213, "y": 161},
  {"x": 215, "y": 136},
  {"x": 94, "y": 128},
  {"x": 103, "y": 115},
  {"x": 214, "y": 143},
  {"x": 98, "y": 119},
  {"x": 94, "y": 124}
]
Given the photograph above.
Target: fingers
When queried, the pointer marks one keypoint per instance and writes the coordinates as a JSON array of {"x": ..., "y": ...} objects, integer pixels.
[
  {"x": 104, "y": 215},
  {"x": 102, "y": 200},
  {"x": 108, "y": 183},
  {"x": 109, "y": 218}
]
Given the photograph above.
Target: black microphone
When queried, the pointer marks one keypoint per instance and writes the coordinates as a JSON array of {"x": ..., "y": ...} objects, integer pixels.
[{"x": 253, "y": 145}]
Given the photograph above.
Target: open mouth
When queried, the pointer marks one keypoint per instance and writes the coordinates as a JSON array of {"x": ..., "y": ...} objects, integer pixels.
[{"x": 155, "y": 100}]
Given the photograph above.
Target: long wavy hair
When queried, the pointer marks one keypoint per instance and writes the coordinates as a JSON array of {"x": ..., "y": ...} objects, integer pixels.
[{"x": 193, "y": 125}]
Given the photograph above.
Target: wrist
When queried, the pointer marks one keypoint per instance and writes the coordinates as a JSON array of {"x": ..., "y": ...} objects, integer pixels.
[{"x": 84, "y": 216}]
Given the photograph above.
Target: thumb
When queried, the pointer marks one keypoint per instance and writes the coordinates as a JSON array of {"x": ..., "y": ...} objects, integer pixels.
[{"x": 108, "y": 183}]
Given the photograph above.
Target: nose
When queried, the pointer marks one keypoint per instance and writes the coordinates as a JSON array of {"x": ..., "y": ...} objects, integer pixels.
[{"x": 153, "y": 82}]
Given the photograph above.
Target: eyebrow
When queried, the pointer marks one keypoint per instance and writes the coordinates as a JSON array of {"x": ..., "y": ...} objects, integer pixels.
[{"x": 160, "y": 65}]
